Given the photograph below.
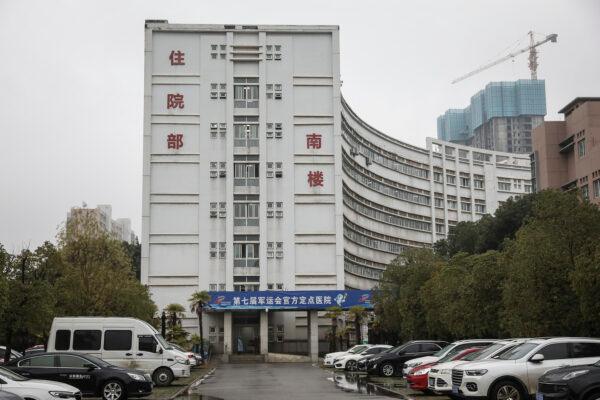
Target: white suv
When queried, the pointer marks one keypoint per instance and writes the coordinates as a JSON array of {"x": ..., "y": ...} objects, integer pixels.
[
  {"x": 457, "y": 346},
  {"x": 440, "y": 375},
  {"x": 514, "y": 374}
]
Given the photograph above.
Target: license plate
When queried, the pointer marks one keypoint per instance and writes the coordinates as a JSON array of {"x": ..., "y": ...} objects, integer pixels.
[
  {"x": 539, "y": 396},
  {"x": 455, "y": 390}
]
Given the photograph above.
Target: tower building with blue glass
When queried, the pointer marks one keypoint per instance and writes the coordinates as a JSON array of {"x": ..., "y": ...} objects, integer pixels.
[{"x": 500, "y": 117}]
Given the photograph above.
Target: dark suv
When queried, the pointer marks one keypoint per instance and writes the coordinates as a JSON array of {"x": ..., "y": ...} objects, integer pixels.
[
  {"x": 570, "y": 383},
  {"x": 390, "y": 363}
]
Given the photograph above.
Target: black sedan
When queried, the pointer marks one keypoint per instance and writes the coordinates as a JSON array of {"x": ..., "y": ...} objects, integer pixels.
[
  {"x": 391, "y": 362},
  {"x": 91, "y": 375},
  {"x": 570, "y": 383}
]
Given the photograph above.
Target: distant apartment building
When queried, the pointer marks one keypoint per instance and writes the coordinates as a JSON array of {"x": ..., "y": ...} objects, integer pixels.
[
  {"x": 500, "y": 117},
  {"x": 566, "y": 154},
  {"x": 119, "y": 229}
]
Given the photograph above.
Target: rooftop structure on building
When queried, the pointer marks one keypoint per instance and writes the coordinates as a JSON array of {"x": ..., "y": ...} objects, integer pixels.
[
  {"x": 119, "y": 229},
  {"x": 259, "y": 177},
  {"x": 500, "y": 117},
  {"x": 565, "y": 153}
]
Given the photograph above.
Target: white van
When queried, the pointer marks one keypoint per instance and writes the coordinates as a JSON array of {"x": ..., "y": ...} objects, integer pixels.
[{"x": 126, "y": 342}]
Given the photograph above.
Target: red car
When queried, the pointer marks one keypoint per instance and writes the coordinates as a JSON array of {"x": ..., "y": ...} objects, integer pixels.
[{"x": 417, "y": 378}]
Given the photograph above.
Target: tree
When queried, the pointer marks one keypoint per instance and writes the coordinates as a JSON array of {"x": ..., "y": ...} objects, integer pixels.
[
  {"x": 357, "y": 314},
  {"x": 333, "y": 313},
  {"x": 134, "y": 251},
  {"x": 398, "y": 300},
  {"x": 198, "y": 301},
  {"x": 97, "y": 277},
  {"x": 175, "y": 312},
  {"x": 540, "y": 298}
]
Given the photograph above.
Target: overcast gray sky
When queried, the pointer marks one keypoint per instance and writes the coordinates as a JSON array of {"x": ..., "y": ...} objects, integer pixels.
[{"x": 71, "y": 82}]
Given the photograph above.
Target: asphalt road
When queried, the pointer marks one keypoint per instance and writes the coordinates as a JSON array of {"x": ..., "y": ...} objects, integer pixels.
[{"x": 281, "y": 381}]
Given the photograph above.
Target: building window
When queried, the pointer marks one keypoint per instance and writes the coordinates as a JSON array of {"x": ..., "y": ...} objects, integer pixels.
[
  {"x": 218, "y": 130},
  {"x": 246, "y": 214},
  {"x": 218, "y": 169},
  {"x": 270, "y": 249},
  {"x": 213, "y": 209},
  {"x": 438, "y": 177},
  {"x": 450, "y": 178},
  {"x": 245, "y": 255},
  {"x": 218, "y": 51},
  {"x": 221, "y": 286},
  {"x": 585, "y": 192},
  {"x": 279, "y": 250},
  {"x": 452, "y": 204},
  {"x": 215, "y": 247},
  {"x": 274, "y": 91},
  {"x": 246, "y": 135},
  {"x": 222, "y": 209},
  {"x": 274, "y": 130},
  {"x": 218, "y": 91},
  {"x": 275, "y": 169},
  {"x": 504, "y": 184},
  {"x": 273, "y": 52},
  {"x": 245, "y": 92},
  {"x": 478, "y": 181},
  {"x": 440, "y": 229},
  {"x": 222, "y": 250},
  {"x": 245, "y": 174},
  {"x": 581, "y": 148},
  {"x": 596, "y": 188},
  {"x": 480, "y": 206},
  {"x": 279, "y": 209},
  {"x": 212, "y": 287},
  {"x": 465, "y": 204},
  {"x": 439, "y": 202},
  {"x": 465, "y": 182}
]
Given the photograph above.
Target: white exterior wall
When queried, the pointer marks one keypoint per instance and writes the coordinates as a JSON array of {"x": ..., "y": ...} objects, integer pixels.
[
  {"x": 178, "y": 188},
  {"x": 328, "y": 243}
]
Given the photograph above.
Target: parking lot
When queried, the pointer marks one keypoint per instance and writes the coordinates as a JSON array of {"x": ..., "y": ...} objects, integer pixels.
[{"x": 292, "y": 382}]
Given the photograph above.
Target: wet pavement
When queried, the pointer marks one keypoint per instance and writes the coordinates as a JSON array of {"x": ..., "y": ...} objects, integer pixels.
[{"x": 290, "y": 382}]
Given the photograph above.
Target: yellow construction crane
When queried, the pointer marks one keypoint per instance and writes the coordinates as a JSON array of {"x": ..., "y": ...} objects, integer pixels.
[{"x": 533, "y": 63}]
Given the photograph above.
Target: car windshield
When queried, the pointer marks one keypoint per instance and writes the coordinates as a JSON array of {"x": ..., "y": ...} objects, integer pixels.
[
  {"x": 444, "y": 350},
  {"x": 177, "y": 347},
  {"x": 449, "y": 356},
  {"x": 8, "y": 374},
  {"x": 517, "y": 352},
  {"x": 472, "y": 356},
  {"x": 357, "y": 349},
  {"x": 99, "y": 362},
  {"x": 165, "y": 345},
  {"x": 484, "y": 352}
]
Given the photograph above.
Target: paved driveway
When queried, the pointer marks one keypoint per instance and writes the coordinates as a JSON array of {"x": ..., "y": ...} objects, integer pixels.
[{"x": 281, "y": 381}]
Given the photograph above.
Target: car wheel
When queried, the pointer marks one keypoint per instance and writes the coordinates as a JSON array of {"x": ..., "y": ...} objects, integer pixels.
[
  {"x": 507, "y": 390},
  {"x": 113, "y": 390},
  {"x": 162, "y": 377},
  {"x": 387, "y": 369},
  {"x": 593, "y": 396},
  {"x": 351, "y": 365}
]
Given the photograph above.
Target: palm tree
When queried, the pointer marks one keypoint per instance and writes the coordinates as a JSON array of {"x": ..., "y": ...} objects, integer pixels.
[
  {"x": 333, "y": 312},
  {"x": 175, "y": 313},
  {"x": 198, "y": 301},
  {"x": 357, "y": 313}
]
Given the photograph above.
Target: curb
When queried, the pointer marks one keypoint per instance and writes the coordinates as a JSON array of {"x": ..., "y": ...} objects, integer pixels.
[{"x": 195, "y": 383}]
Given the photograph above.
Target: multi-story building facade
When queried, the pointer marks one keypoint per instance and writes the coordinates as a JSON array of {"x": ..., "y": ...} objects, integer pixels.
[
  {"x": 258, "y": 176},
  {"x": 119, "y": 229},
  {"x": 500, "y": 117},
  {"x": 566, "y": 154}
]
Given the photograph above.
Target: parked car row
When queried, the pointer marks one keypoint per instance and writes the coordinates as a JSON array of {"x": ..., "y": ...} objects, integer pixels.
[
  {"x": 560, "y": 368},
  {"x": 113, "y": 358}
]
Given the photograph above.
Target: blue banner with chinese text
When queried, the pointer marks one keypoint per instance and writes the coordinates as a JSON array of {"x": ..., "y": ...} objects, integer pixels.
[{"x": 289, "y": 300}]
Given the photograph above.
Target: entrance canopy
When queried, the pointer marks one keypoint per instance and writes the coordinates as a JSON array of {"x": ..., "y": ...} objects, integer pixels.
[{"x": 289, "y": 300}]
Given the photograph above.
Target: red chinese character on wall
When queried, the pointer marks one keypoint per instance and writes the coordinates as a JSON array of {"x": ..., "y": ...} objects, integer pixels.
[
  {"x": 177, "y": 57},
  {"x": 175, "y": 141},
  {"x": 313, "y": 141},
  {"x": 175, "y": 100},
  {"x": 315, "y": 178}
]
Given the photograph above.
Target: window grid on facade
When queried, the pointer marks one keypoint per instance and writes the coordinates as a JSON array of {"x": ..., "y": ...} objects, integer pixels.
[
  {"x": 218, "y": 129},
  {"x": 245, "y": 92},
  {"x": 218, "y": 51},
  {"x": 218, "y": 169},
  {"x": 465, "y": 204},
  {"x": 273, "y": 52},
  {"x": 274, "y": 91},
  {"x": 218, "y": 91},
  {"x": 504, "y": 184}
]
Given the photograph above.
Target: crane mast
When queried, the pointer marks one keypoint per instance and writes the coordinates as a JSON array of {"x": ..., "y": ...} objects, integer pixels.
[{"x": 533, "y": 56}]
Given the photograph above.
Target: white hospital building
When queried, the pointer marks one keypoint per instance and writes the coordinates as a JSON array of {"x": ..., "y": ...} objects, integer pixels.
[{"x": 259, "y": 176}]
